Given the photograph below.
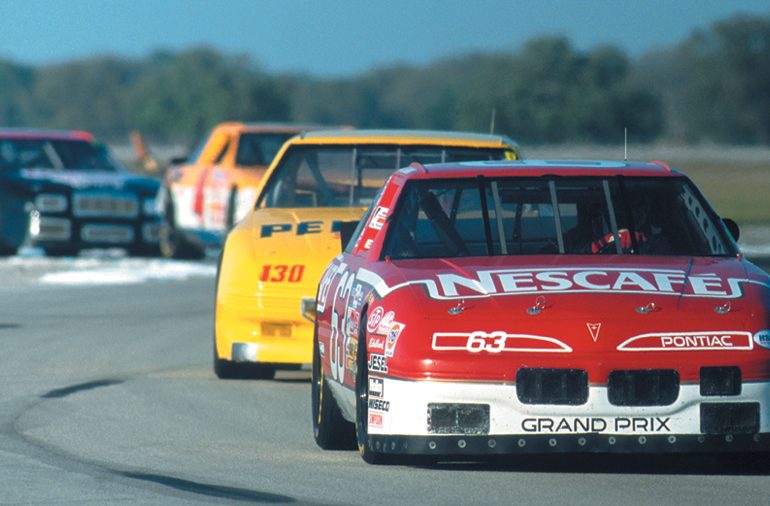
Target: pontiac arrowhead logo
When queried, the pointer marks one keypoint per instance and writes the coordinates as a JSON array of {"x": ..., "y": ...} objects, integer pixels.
[{"x": 593, "y": 328}]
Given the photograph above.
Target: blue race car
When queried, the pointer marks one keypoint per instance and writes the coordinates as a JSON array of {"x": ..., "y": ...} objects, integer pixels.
[{"x": 61, "y": 191}]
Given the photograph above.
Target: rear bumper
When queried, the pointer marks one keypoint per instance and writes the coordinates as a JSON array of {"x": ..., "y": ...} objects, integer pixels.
[
  {"x": 477, "y": 446},
  {"x": 263, "y": 351},
  {"x": 252, "y": 340},
  {"x": 456, "y": 418},
  {"x": 265, "y": 325},
  {"x": 66, "y": 231}
]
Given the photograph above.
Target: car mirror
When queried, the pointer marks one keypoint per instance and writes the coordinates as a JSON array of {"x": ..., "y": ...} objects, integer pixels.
[
  {"x": 346, "y": 232},
  {"x": 733, "y": 228}
]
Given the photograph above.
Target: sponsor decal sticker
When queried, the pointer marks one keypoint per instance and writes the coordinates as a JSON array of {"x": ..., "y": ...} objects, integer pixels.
[
  {"x": 385, "y": 323},
  {"x": 374, "y": 319},
  {"x": 353, "y": 322},
  {"x": 395, "y": 331},
  {"x": 496, "y": 282},
  {"x": 377, "y": 362},
  {"x": 76, "y": 179},
  {"x": 357, "y": 299},
  {"x": 496, "y": 342},
  {"x": 375, "y": 419},
  {"x": 376, "y": 343},
  {"x": 379, "y": 404},
  {"x": 301, "y": 228},
  {"x": 762, "y": 338},
  {"x": 376, "y": 387},
  {"x": 597, "y": 425},
  {"x": 676, "y": 341},
  {"x": 594, "y": 328},
  {"x": 378, "y": 218}
]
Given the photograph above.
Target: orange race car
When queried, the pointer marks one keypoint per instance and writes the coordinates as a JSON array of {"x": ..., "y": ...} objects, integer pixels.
[{"x": 206, "y": 195}]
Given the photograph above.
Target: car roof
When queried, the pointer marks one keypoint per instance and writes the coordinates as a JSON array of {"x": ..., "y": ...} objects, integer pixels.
[
  {"x": 276, "y": 126},
  {"x": 536, "y": 168},
  {"x": 36, "y": 133},
  {"x": 415, "y": 137}
]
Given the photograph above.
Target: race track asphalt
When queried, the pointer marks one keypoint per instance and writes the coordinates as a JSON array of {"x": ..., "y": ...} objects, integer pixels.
[{"x": 108, "y": 397}]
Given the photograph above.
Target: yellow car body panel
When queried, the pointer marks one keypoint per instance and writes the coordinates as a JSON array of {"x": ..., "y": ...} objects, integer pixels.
[
  {"x": 264, "y": 280},
  {"x": 272, "y": 260}
]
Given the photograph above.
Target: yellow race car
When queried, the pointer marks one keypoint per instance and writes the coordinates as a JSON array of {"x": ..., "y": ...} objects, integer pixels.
[{"x": 272, "y": 260}]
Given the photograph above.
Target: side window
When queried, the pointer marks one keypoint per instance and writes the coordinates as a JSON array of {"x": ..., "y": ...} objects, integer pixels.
[
  {"x": 442, "y": 219},
  {"x": 356, "y": 236}
]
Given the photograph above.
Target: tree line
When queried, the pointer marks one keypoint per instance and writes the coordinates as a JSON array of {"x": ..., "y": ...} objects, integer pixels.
[{"x": 714, "y": 86}]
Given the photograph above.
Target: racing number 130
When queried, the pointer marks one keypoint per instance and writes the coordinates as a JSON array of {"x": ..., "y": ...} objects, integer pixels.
[{"x": 279, "y": 273}]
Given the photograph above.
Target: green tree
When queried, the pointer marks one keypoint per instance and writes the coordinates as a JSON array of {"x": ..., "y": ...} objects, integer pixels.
[
  {"x": 15, "y": 81},
  {"x": 88, "y": 94},
  {"x": 716, "y": 84},
  {"x": 183, "y": 95}
]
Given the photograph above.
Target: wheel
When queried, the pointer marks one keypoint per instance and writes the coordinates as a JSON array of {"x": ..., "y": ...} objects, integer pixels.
[
  {"x": 330, "y": 430},
  {"x": 172, "y": 242},
  {"x": 7, "y": 251},
  {"x": 144, "y": 251},
  {"x": 223, "y": 368},
  {"x": 61, "y": 251},
  {"x": 226, "y": 369},
  {"x": 362, "y": 401},
  {"x": 232, "y": 209}
]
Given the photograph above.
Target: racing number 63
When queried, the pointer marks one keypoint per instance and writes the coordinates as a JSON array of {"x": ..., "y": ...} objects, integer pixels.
[
  {"x": 481, "y": 341},
  {"x": 338, "y": 339}
]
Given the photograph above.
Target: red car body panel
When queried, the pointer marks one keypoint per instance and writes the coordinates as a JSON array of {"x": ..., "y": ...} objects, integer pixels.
[{"x": 443, "y": 323}]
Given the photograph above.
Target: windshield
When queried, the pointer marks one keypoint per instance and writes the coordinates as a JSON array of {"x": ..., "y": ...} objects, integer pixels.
[
  {"x": 350, "y": 175},
  {"x": 258, "y": 148},
  {"x": 523, "y": 216},
  {"x": 54, "y": 154}
]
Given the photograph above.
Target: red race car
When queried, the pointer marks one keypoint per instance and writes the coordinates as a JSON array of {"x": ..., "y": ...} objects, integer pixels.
[{"x": 528, "y": 306}]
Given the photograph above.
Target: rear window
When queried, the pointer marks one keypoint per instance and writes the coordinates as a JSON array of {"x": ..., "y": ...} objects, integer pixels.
[
  {"x": 521, "y": 216},
  {"x": 259, "y": 149},
  {"x": 55, "y": 154},
  {"x": 350, "y": 175}
]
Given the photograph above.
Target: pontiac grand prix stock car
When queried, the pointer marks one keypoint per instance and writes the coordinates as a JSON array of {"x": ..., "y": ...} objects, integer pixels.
[
  {"x": 272, "y": 260},
  {"x": 63, "y": 192},
  {"x": 216, "y": 186},
  {"x": 502, "y": 308}
]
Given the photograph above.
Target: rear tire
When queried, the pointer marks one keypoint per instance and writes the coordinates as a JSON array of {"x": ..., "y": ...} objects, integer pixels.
[
  {"x": 61, "y": 251},
  {"x": 362, "y": 402},
  {"x": 223, "y": 368},
  {"x": 330, "y": 430},
  {"x": 144, "y": 251},
  {"x": 226, "y": 369},
  {"x": 232, "y": 209},
  {"x": 7, "y": 251},
  {"x": 173, "y": 244}
]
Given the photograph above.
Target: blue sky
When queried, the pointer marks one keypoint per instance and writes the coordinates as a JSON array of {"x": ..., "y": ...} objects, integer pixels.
[{"x": 343, "y": 37}]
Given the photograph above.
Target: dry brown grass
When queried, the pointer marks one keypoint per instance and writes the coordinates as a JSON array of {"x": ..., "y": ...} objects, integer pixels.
[
  {"x": 735, "y": 180},
  {"x": 738, "y": 189}
]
